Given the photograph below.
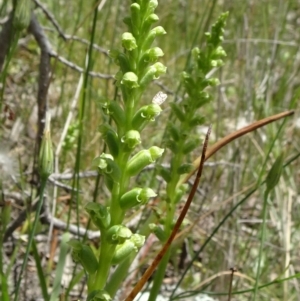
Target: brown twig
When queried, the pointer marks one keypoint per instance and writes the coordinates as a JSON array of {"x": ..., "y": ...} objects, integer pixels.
[
  {"x": 164, "y": 249},
  {"x": 50, "y": 17},
  {"x": 227, "y": 139},
  {"x": 233, "y": 270},
  {"x": 44, "y": 74}
]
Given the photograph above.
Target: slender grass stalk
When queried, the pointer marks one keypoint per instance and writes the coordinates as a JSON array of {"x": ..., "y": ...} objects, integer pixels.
[
  {"x": 30, "y": 239},
  {"x": 3, "y": 275},
  {"x": 40, "y": 272},
  {"x": 262, "y": 241}
]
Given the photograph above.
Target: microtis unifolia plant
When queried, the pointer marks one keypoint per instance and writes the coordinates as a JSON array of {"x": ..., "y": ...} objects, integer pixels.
[
  {"x": 139, "y": 66},
  {"x": 125, "y": 159},
  {"x": 181, "y": 135}
]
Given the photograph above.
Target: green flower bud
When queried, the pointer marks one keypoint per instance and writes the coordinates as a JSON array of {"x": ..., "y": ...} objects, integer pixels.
[
  {"x": 123, "y": 251},
  {"x": 84, "y": 254},
  {"x": 275, "y": 173},
  {"x": 88, "y": 259},
  {"x": 216, "y": 63},
  {"x": 133, "y": 244},
  {"x": 203, "y": 98},
  {"x": 197, "y": 120},
  {"x": 154, "y": 32},
  {"x": 136, "y": 196},
  {"x": 159, "y": 232},
  {"x": 99, "y": 214},
  {"x": 190, "y": 145},
  {"x": 107, "y": 166},
  {"x": 177, "y": 110},
  {"x": 131, "y": 139},
  {"x": 120, "y": 59},
  {"x": 152, "y": 5},
  {"x": 143, "y": 158},
  {"x": 118, "y": 234},
  {"x": 128, "y": 41},
  {"x": 123, "y": 62},
  {"x": 174, "y": 131},
  {"x": 22, "y": 14},
  {"x": 138, "y": 240},
  {"x": 213, "y": 82},
  {"x": 135, "y": 17},
  {"x": 189, "y": 83},
  {"x": 153, "y": 72},
  {"x": 130, "y": 80},
  {"x": 46, "y": 152},
  {"x": 172, "y": 146},
  {"x": 118, "y": 78},
  {"x": 152, "y": 55},
  {"x": 179, "y": 192},
  {"x": 195, "y": 53},
  {"x": 111, "y": 139},
  {"x": 113, "y": 109},
  {"x": 220, "y": 52},
  {"x": 127, "y": 21},
  {"x": 144, "y": 115},
  {"x": 160, "y": 69},
  {"x": 185, "y": 168},
  {"x": 149, "y": 21},
  {"x": 164, "y": 172},
  {"x": 113, "y": 53},
  {"x": 99, "y": 295}
]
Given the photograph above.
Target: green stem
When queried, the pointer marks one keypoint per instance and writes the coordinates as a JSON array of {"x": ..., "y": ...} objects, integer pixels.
[
  {"x": 105, "y": 257},
  {"x": 3, "y": 278},
  {"x": 159, "y": 276},
  {"x": 119, "y": 275},
  {"x": 32, "y": 233},
  {"x": 262, "y": 241},
  {"x": 171, "y": 206}
]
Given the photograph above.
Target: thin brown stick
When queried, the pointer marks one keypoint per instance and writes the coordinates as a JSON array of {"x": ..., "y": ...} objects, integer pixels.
[
  {"x": 164, "y": 249},
  {"x": 233, "y": 270},
  {"x": 227, "y": 139}
]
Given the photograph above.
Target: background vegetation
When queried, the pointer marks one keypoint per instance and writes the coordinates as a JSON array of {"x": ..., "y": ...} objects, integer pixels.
[{"x": 260, "y": 78}]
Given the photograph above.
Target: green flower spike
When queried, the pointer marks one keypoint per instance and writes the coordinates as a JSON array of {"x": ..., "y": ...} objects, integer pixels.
[
  {"x": 118, "y": 234},
  {"x": 46, "y": 152},
  {"x": 136, "y": 196},
  {"x": 143, "y": 158}
]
